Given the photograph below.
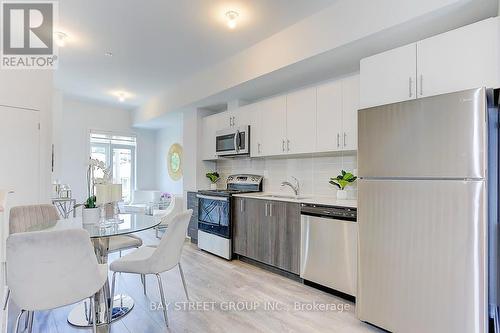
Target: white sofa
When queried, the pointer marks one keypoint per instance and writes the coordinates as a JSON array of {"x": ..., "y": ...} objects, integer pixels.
[{"x": 141, "y": 200}]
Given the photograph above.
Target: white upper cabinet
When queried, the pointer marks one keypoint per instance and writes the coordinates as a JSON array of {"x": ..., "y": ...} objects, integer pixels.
[
  {"x": 389, "y": 77},
  {"x": 242, "y": 116},
  {"x": 210, "y": 125},
  {"x": 337, "y": 115},
  {"x": 460, "y": 59},
  {"x": 273, "y": 126},
  {"x": 329, "y": 116},
  {"x": 464, "y": 58},
  {"x": 350, "y": 107},
  {"x": 301, "y": 121}
]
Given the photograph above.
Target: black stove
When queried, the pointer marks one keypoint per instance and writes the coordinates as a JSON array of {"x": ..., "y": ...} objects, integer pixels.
[{"x": 214, "y": 213}]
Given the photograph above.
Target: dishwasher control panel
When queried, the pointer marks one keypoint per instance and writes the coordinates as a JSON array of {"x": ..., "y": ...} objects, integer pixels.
[{"x": 333, "y": 212}]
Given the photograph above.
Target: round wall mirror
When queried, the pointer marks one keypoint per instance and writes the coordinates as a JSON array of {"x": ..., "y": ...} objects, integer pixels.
[{"x": 174, "y": 161}]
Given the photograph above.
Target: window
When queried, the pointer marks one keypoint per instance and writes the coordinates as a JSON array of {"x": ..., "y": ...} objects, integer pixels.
[{"x": 117, "y": 152}]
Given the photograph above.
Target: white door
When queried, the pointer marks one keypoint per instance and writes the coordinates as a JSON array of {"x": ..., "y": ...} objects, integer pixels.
[
  {"x": 301, "y": 121},
  {"x": 273, "y": 126},
  {"x": 460, "y": 59},
  {"x": 20, "y": 155},
  {"x": 388, "y": 77},
  {"x": 350, "y": 106},
  {"x": 329, "y": 117},
  {"x": 209, "y": 126}
]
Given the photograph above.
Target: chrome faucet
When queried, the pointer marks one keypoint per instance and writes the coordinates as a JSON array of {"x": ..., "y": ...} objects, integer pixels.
[{"x": 295, "y": 188}]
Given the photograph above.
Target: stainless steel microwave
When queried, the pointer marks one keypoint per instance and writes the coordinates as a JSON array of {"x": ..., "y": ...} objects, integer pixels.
[{"x": 233, "y": 141}]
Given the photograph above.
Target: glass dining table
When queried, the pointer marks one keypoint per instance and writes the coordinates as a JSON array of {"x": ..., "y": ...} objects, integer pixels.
[{"x": 100, "y": 235}]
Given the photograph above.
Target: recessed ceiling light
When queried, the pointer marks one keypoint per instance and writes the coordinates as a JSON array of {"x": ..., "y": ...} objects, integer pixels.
[
  {"x": 108, "y": 54},
  {"x": 231, "y": 17},
  {"x": 60, "y": 38}
]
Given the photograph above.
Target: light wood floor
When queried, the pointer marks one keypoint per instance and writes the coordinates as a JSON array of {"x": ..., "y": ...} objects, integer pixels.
[{"x": 218, "y": 282}]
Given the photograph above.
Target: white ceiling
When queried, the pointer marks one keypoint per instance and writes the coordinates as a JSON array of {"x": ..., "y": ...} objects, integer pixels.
[{"x": 157, "y": 43}]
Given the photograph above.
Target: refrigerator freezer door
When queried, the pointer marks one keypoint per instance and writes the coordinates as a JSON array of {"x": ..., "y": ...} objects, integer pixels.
[
  {"x": 422, "y": 255},
  {"x": 435, "y": 137}
]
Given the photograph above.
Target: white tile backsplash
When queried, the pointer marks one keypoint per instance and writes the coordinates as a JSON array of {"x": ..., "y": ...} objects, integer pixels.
[{"x": 313, "y": 172}]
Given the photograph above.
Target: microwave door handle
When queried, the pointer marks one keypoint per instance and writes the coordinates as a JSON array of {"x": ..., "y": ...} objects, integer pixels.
[{"x": 237, "y": 141}]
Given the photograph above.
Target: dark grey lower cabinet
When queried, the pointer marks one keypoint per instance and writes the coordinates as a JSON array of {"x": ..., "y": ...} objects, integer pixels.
[
  {"x": 268, "y": 231},
  {"x": 192, "y": 203}
]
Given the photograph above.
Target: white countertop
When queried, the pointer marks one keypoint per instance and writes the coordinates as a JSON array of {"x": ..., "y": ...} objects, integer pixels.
[{"x": 312, "y": 199}]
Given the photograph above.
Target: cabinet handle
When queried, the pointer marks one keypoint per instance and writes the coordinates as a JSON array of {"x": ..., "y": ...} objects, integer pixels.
[
  {"x": 338, "y": 140},
  {"x": 288, "y": 145},
  {"x": 242, "y": 205},
  {"x": 258, "y": 148},
  {"x": 345, "y": 135},
  {"x": 283, "y": 145},
  {"x": 421, "y": 85},
  {"x": 409, "y": 86},
  {"x": 270, "y": 209},
  {"x": 230, "y": 121},
  {"x": 234, "y": 120},
  {"x": 266, "y": 209}
]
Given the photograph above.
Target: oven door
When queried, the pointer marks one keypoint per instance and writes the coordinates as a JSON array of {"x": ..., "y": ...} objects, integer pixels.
[
  {"x": 214, "y": 215},
  {"x": 233, "y": 141}
]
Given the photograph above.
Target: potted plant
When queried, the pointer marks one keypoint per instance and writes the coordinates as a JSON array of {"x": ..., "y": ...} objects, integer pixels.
[
  {"x": 91, "y": 212},
  {"x": 214, "y": 178},
  {"x": 341, "y": 181}
]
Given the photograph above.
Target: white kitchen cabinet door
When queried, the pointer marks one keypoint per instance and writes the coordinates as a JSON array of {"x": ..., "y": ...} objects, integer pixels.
[
  {"x": 388, "y": 77},
  {"x": 460, "y": 59},
  {"x": 210, "y": 125},
  {"x": 273, "y": 129},
  {"x": 256, "y": 131},
  {"x": 329, "y": 117},
  {"x": 243, "y": 115},
  {"x": 350, "y": 107},
  {"x": 301, "y": 121}
]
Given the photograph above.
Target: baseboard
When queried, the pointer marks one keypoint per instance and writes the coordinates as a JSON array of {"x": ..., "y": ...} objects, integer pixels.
[{"x": 269, "y": 268}]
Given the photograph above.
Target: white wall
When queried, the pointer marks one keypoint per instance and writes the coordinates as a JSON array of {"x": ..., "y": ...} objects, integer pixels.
[
  {"x": 75, "y": 118},
  {"x": 165, "y": 138}
]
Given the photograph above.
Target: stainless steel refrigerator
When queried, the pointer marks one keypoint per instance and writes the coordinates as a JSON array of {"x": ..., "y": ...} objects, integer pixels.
[{"x": 427, "y": 214}]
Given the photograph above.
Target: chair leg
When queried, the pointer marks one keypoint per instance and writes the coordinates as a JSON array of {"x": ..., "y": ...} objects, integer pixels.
[
  {"x": 30, "y": 317},
  {"x": 6, "y": 299},
  {"x": 93, "y": 314},
  {"x": 162, "y": 295},
  {"x": 183, "y": 281},
  {"x": 112, "y": 297},
  {"x": 143, "y": 280},
  {"x": 18, "y": 319}
]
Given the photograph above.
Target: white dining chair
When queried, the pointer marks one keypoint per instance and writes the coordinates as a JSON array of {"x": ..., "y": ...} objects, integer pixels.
[
  {"x": 21, "y": 218},
  {"x": 168, "y": 214},
  {"x": 155, "y": 260},
  {"x": 50, "y": 269}
]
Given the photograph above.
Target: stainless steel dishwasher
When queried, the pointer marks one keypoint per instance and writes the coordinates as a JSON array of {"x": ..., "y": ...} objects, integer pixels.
[{"x": 329, "y": 246}]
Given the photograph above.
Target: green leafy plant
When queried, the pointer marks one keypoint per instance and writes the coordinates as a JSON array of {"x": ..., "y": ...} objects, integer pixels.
[
  {"x": 213, "y": 176},
  {"x": 342, "y": 180}
]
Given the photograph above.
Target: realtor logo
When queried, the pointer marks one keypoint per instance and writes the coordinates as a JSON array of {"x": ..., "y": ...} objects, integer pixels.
[{"x": 27, "y": 34}]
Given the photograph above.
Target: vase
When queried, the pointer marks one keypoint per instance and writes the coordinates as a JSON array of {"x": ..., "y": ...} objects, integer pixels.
[
  {"x": 341, "y": 194},
  {"x": 91, "y": 215},
  {"x": 213, "y": 186}
]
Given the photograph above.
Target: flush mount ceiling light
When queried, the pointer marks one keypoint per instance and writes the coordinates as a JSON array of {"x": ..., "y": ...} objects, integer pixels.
[
  {"x": 108, "y": 54},
  {"x": 231, "y": 17},
  {"x": 121, "y": 96},
  {"x": 60, "y": 38}
]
